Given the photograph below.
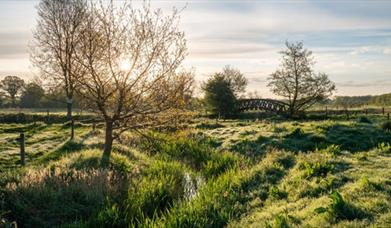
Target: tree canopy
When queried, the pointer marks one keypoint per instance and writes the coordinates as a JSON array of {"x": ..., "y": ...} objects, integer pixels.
[
  {"x": 12, "y": 85},
  {"x": 219, "y": 96},
  {"x": 32, "y": 96},
  {"x": 222, "y": 90}
]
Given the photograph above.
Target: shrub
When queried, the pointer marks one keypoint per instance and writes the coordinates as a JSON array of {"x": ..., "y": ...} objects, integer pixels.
[{"x": 386, "y": 126}]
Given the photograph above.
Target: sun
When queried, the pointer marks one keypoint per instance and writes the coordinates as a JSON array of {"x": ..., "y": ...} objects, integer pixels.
[{"x": 125, "y": 65}]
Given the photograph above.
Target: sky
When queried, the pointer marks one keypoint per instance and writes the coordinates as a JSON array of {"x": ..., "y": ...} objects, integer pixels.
[{"x": 351, "y": 40}]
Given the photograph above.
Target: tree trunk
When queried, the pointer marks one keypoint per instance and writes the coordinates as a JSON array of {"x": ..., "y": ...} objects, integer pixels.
[
  {"x": 69, "y": 108},
  {"x": 291, "y": 110},
  {"x": 108, "y": 143}
]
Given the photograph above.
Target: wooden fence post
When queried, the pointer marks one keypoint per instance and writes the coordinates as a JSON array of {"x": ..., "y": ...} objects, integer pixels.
[
  {"x": 383, "y": 111},
  {"x": 22, "y": 151},
  {"x": 388, "y": 116},
  {"x": 72, "y": 129},
  {"x": 347, "y": 113},
  {"x": 93, "y": 126}
]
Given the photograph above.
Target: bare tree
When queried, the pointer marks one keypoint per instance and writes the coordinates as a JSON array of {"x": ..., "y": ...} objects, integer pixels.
[
  {"x": 12, "y": 85},
  {"x": 56, "y": 39},
  {"x": 296, "y": 80},
  {"x": 131, "y": 57}
]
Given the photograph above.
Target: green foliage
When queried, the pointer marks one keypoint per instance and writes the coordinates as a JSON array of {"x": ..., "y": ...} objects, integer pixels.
[
  {"x": 317, "y": 169},
  {"x": 153, "y": 195},
  {"x": 148, "y": 197},
  {"x": 333, "y": 150},
  {"x": 189, "y": 179},
  {"x": 196, "y": 151},
  {"x": 12, "y": 85},
  {"x": 219, "y": 97},
  {"x": 220, "y": 163},
  {"x": 31, "y": 96},
  {"x": 358, "y": 101},
  {"x": 82, "y": 190},
  {"x": 384, "y": 148}
]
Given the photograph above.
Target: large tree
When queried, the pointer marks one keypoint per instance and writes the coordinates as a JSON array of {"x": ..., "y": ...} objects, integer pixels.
[
  {"x": 296, "y": 80},
  {"x": 131, "y": 57},
  {"x": 12, "y": 85},
  {"x": 56, "y": 39}
]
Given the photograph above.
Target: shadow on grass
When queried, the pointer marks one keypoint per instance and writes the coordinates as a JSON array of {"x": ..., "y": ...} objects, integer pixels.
[
  {"x": 27, "y": 129},
  {"x": 68, "y": 147},
  {"x": 360, "y": 137},
  {"x": 354, "y": 138},
  {"x": 209, "y": 126}
]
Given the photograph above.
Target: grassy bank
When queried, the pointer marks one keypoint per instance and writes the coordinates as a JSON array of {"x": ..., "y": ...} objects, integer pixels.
[{"x": 239, "y": 173}]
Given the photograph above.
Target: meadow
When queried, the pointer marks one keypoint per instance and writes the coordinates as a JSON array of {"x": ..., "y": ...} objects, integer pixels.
[{"x": 269, "y": 172}]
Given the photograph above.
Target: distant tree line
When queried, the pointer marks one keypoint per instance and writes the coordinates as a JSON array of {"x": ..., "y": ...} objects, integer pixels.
[
  {"x": 16, "y": 93},
  {"x": 358, "y": 101}
]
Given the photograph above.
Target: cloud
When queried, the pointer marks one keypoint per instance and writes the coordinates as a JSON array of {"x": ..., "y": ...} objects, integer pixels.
[
  {"x": 13, "y": 44},
  {"x": 387, "y": 51},
  {"x": 366, "y": 84},
  {"x": 371, "y": 50},
  {"x": 350, "y": 42}
]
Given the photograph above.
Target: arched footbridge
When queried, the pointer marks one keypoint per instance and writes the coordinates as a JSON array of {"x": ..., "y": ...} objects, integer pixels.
[{"x": 268, "y": 105}]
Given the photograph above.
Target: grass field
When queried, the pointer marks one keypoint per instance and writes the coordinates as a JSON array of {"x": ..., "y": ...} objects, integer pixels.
[{"x": 236, "y": 173}]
